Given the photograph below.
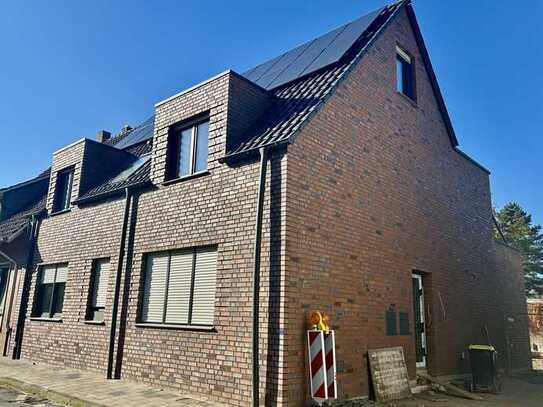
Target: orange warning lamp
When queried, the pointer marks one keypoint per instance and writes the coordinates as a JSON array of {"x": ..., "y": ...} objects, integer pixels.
[
  {"x": 315, "y": 318},
  {"x": 320, "y": 321}
]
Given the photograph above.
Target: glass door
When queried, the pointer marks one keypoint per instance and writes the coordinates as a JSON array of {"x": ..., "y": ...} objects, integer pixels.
[{"x": 420, "y": 328}]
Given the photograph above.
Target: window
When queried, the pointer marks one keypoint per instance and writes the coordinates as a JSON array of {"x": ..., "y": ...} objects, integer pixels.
[
  {"x": 180, "y": 287},
  {"x": 63, "y": 190},
  {"x": 535, "y": 347},
  {"x": 188, "y": 150},
  {"x": 4, "y": 273},
  {"x": 50, "y": 291},
  {"x": 405, "y": 76},
  {"x": 98, "y": 290}
]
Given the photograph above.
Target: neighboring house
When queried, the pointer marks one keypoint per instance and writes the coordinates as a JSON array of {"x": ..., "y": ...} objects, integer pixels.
[
  {"x": 138, "y": 259},
  {"x": 535, "y": 317}
]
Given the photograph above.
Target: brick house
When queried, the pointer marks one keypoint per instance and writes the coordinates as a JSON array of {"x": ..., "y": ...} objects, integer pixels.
[{"x": 134, "y": 254}]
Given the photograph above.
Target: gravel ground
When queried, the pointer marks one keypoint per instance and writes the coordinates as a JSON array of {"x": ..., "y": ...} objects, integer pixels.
[{"x": 13, "y": 398}]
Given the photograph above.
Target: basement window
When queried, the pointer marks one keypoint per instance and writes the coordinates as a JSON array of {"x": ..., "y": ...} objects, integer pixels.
[
  {"x": 98, "y": 290},
  {"x": 50, "y": 291},
  {"x": 63, "y": 190},
  {"x": 188, "y": 149},
  {"x": 405, "y": 74},
  {"x": 179, "y": 287}
]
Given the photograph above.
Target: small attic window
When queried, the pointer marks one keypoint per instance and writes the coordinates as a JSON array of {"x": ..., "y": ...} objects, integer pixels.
[
  {"x": 405, "y": 74},
  {"x": 63, "y": 190}
]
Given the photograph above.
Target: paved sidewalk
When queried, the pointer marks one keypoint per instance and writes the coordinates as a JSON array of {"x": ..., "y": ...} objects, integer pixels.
[{"x": 81, "y": 388}]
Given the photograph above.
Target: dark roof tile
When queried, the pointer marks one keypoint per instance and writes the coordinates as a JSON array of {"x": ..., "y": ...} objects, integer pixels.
[{"x": 14, "y": 224}]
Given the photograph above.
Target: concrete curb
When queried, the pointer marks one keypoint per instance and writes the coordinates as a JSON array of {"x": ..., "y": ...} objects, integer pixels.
[{"x": 45, "y": 393}]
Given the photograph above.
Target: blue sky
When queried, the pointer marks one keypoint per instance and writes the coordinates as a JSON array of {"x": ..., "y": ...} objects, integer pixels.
[{"x": 72, "y": 68}]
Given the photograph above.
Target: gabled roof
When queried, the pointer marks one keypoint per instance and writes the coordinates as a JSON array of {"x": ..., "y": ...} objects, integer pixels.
[
  {"x": 297, "y": 100},
  {"x": 299, "y": 81}
]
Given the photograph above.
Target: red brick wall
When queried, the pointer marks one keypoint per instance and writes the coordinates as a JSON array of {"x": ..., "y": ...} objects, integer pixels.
[
  {"x": 515, "y": 350},
  {"x": 375, "y": 191}
]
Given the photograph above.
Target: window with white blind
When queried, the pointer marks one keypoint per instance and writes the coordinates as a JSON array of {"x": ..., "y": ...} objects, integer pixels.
[
  {"x": 50, "y": 291},
  {"x": 179, "y": 287},
  {"x": 98, "y": 290}
]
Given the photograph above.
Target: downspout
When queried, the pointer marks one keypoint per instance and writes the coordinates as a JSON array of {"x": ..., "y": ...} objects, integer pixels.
[
  {"x": 8, "y": 303},
  {"x": 120, "y": 262},
  {"x": 256, "y": 273},
  {"x": 23, "y": 307}
]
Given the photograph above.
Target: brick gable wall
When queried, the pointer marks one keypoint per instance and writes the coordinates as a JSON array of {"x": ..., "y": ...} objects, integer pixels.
[{"x": 375, "y": 192}]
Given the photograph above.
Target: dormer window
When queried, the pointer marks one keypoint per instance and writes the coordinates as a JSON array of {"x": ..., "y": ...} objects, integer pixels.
[
  {"x": 405, "y": 75},
  {"x": 188, "y": 149},
  {"x": 63, "y": 190}
]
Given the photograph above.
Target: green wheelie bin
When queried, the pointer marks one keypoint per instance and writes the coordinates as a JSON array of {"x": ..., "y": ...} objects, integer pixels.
[{"x": 484, "y": 370}]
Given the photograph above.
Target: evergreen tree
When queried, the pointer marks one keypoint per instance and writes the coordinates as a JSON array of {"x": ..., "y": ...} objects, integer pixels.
[{"x": 517, "y": 228}]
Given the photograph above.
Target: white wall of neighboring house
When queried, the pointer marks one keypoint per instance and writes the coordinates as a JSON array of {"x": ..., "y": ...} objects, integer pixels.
[{"x": 535, "y": 314}]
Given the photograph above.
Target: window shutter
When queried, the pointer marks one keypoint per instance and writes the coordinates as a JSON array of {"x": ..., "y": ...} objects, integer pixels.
[
  {"x": 101, "y": 277},
  {"x": 203, "y": 303},
  {"x": 48, "y": 275},
  {"x": 177, "y": 309},
  {"x": 154, "y": 294},
  {"x": 62, "y": 273}
]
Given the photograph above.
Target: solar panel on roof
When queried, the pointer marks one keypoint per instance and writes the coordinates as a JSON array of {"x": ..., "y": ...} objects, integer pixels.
[
  {"x": 309, "y": 55},
  {"x": 144, "y": 131},
  {"x": 283, "y": 63},
  {"x": 312, "y": 55},
  {"x": 343, "y": 42}
]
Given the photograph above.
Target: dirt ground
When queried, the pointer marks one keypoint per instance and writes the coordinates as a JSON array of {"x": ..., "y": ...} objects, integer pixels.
[{"x": 525, "y": 390}]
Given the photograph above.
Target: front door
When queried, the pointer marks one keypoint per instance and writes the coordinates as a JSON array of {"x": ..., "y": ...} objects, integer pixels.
[{"x": 420, "y": 328}]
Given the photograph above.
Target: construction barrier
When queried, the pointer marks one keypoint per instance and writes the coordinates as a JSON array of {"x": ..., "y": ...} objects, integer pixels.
[{"x": 322, "y": 365}]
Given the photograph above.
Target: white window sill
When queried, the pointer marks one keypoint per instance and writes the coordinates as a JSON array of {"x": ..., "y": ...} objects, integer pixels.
[
  {"x": 179, "y": 327},
  {"x": 186, "y": 177}
]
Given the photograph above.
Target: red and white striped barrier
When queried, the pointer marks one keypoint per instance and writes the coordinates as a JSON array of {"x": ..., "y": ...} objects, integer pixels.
[
  {"x": 330, "y": 363},
  {"x": 322, "y": 365}
]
